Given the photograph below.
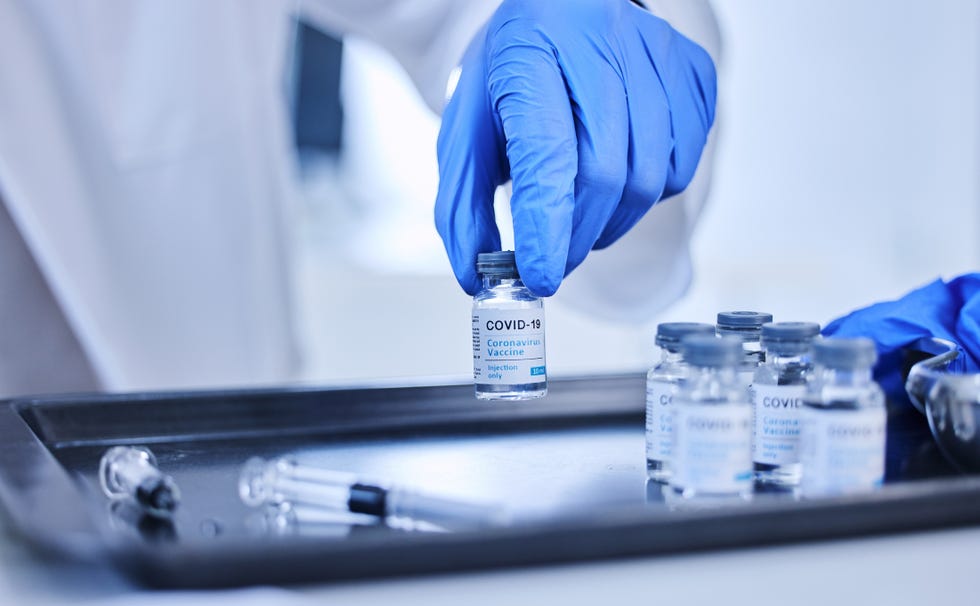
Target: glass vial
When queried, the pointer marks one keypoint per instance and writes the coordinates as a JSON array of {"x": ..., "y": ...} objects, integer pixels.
[
  {"x": 662, "y": 383},
  {"x": 712, "y": 455},
  {"x": 747, "y": 326},
  {"x": 508, "y": 333},
  {"x": 843, "y": 421},
  {"x": 777, "y": 397}
]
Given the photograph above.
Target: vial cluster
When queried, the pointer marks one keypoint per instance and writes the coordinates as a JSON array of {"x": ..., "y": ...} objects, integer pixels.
[{"x": 748, "y": 405}]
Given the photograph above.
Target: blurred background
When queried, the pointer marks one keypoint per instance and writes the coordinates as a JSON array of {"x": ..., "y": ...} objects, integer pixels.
[{"x": 845, "y": 174}]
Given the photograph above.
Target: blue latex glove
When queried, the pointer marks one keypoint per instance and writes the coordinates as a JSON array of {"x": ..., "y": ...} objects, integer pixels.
[
  {"x": 946, "y": 310},
  {"x": 595, "y": 108}
]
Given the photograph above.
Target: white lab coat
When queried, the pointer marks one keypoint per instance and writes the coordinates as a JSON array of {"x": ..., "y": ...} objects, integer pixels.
[{"x": 147, "y": 166}]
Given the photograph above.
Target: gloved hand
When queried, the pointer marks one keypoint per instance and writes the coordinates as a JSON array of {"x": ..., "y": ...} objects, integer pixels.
[
  {"x": 946, "y": 310},
  {"x": 595, "y": 108}
]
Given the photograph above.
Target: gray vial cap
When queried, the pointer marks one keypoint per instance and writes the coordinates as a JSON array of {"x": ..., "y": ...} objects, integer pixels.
[
  {"x": 500, "y": 263},
  {"x": 789, "y": 337},
  {"x": 743, "y": 319},
  {"x": 669, "y": 334},
  {"x": 845, "y": 353},
  {"x": 704, "y": 350}
]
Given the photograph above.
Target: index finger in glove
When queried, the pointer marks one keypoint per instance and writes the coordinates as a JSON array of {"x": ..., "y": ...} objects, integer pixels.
[
  {"x": 471, "y": 165},
  {"x": 528, "y": 93}
]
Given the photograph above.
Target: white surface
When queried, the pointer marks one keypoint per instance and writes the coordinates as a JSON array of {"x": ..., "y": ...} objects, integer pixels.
[
  {"x": 916, "y": 569},
  {"x": 846, "y": 169},
  {"x": 146, "y": 159},
  {"x": 125, "y": 163}
]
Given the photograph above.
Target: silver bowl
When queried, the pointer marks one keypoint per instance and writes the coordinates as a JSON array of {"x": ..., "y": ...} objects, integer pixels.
[{"x": 951, "y": 403}]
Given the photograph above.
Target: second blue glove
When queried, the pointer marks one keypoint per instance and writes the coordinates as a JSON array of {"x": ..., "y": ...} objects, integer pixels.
[{"x": 948, "y": 310}]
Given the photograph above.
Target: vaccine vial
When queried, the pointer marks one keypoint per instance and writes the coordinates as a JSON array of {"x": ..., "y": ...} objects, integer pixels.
[
  {"x": 843, "y": 421},
  {"x": 712, "y": 454},
  {"x": 508, "y": 333},
  {"x": 777, "y": 397},
  {"x": 662, "y": 383},
  {"x": 747, "y": 326}
]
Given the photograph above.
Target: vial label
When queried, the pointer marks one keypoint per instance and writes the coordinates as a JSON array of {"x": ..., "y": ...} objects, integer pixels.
[
  {"x": 660, "y": 425},
  {"x": 508, "y": 346},
  {"x": 747, "y": 375},
  {"x": 776, "y": 440},
  {"x": 842, "y": 450},
  {"x": 712, "y": 448}
]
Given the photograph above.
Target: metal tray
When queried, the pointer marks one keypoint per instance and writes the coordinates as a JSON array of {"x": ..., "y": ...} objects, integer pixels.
[{"x": 570, "y": 464}]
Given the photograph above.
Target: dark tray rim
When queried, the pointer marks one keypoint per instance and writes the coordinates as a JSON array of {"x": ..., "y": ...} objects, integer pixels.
[{"x": 52, "y": 512}]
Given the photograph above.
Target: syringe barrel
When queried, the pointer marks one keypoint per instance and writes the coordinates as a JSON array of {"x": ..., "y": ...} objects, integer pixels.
[
  {"x": 450, "y": 514},
  {"x": 285, "y": 481}
]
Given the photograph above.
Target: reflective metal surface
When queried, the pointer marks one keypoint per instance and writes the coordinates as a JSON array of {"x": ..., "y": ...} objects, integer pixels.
[
  {"x": 951, "y": 402},
  {"x": 923, "y": 375},
  {"x": 952, "y": 408},
  {"x": 570, "y": 467}
]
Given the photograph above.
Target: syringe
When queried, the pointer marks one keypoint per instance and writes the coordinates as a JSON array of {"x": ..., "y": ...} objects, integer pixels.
[
  {"x": 131, "y": 472},
  {"x": 284, "y": 480}
]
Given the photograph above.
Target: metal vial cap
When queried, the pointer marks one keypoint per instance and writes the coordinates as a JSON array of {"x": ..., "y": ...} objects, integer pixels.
[
  {"x": 669, "y": 334},
  {"x": 501, "y": 264},
  {"x": 716, "y": 352},
  {"x": 789, "y": 337},
  {"x": 743, "y": 319},
  {"x": 845, "y": 353}
]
